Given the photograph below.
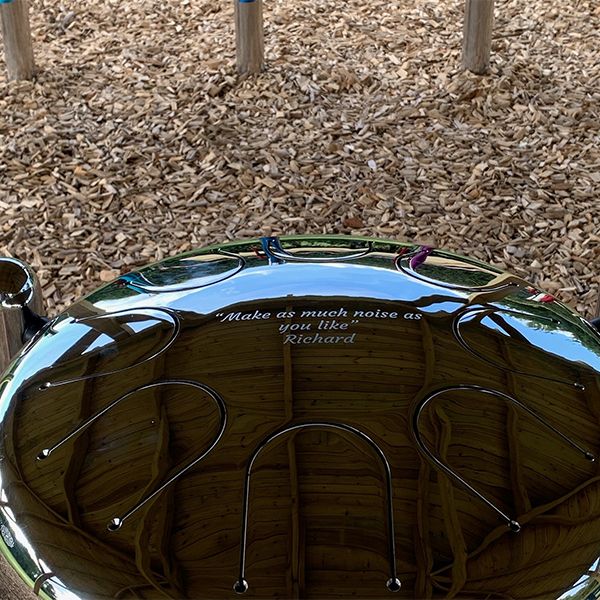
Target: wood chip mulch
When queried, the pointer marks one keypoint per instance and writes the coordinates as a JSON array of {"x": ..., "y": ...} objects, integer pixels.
[{"x": 137, "y": 140}]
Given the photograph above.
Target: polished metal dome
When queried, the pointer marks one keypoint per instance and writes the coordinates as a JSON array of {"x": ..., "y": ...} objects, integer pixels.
[{"x": 319, "y": 417}]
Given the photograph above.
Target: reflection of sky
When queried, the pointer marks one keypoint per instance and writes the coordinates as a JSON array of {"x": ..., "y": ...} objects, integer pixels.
[
  {"x": 293, "y": 280},
  {"x": 559, "y": 342},
  {"x": 45, "y": 351},
  {"x": 343, "y": 282},
  {"x": 100, "y": 342},
  {"x": 25, "y": 369},
  {"x": 64, "y": 335}
]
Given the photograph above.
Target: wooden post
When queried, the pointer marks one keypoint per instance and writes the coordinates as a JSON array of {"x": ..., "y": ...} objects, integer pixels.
[
  {"x": 20, "y": 303},
  {"x": 16, "y": 34},
  {"x": 596, "y": 318},
  {"x": 249, "y": 36},
  {"x": 477, "y": 42}
]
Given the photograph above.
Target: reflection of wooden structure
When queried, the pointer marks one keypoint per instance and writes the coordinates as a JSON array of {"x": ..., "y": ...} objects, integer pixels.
[{"x": 317, "y": 518}]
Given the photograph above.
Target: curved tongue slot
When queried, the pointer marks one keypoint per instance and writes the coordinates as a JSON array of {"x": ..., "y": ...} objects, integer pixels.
[
  {"x": 112, "y": 342},
  {"x": 516, "y": 341}
]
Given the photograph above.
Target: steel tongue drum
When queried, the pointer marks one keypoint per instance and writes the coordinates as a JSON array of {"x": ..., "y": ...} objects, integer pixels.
[{"x": 305, "y": 417}]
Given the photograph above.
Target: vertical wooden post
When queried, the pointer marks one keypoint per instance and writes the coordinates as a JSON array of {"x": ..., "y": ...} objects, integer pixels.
[
  {"x": 20, "y": 303},
  {"x": 16, "y": 34},
  {"x": 249, "y": 36},
  {"x": 596, "y": 317},
  {"x": 477, "y": 42}
]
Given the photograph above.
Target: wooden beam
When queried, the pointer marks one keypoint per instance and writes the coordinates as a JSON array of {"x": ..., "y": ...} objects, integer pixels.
[
  {"x": 20, "y": 300},
  {"x": 16, "y": 34},
  {"x": 296, "y": 578},
  {"x": 477, "y": 42},
  {"x": 249, "y": 36}
]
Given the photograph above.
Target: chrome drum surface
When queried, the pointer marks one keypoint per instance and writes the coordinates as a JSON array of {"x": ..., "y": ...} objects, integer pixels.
[{"x": 307, "y": 417}]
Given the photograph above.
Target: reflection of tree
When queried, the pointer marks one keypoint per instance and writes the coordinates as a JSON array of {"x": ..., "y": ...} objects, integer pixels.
[
  {"x": 208, "y": 264},
  {"x": 590, "y": 591},
  {"x": 339, "y": 244},
  {"x": 177, "y": 270},
  {"x": 466, "y": 277},
  {"x": 554, "y": 317},
  {"x": 595, "y": 574},
  {"x": 111, "y": 291},
  {"x": 20, "y": 554}
]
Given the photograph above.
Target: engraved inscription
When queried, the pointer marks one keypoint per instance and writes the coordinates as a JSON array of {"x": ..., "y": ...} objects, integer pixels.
[{"x": 316, "y": 326}]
